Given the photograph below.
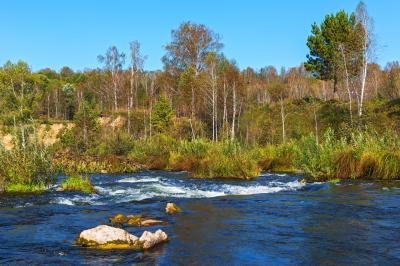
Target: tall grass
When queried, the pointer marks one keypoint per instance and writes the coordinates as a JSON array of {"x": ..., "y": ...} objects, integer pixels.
[{"x": 362, "y": 155}]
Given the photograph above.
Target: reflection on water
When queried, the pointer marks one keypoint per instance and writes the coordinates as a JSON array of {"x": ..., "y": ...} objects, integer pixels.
[{"x": 273, "y": 220}]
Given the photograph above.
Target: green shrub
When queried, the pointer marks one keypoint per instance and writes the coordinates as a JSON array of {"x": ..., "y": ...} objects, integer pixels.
[
  {"x": 78, "y": 183},
  {"x": 26, "y": 168},
  {"x": 153, "y": 153}
]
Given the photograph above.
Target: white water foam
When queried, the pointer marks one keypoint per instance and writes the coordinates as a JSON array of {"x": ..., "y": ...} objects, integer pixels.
[
  {"x": 91, "y": 200},
  {"x": 182, "y": 190},
  {"x": 145, "y": 179},
  {"x": 62, "y": 201},
  {"x": 141, "y": 188}
]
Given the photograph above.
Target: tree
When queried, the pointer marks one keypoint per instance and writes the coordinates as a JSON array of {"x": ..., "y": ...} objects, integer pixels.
[
  {"x": 137, "y": 61},
  {"x": 187, "y": 84},
  {"x": 19, "y": 91},
  {"x": 211, "y": 61},
  {"x": 325, "y": 60},
  {"x": 365, "y": 34},
  {"x": 86, "y": 124},
  {"x": 189, "y": 47},
  {"x": 68, "y": 91},
  {"x": 162, "y": 115},
  {"x": 113, "y": 60},
  {"x": 278, "y": 92}
]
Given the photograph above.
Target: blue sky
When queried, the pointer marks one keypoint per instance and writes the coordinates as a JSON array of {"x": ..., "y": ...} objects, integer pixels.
[{"x": 255, "y": 33}]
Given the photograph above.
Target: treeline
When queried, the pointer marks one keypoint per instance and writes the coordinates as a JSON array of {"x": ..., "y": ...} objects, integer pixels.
[
  {"x": 210, "y": 96},
  {"x": 202, "y": 96}
]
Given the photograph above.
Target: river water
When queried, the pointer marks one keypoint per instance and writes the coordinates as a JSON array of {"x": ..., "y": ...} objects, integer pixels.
[{"x": 273, "y": 220}]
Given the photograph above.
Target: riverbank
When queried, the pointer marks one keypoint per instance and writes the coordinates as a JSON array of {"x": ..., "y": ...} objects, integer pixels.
[{"x": 363, "y": 155}]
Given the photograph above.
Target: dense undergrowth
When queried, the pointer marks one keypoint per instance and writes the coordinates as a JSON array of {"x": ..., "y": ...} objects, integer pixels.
[
  {"x": 26, "y": 168},
  {"x": 360, "y": 155}
]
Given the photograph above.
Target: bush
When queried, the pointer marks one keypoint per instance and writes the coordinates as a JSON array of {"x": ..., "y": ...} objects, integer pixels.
[
  {"x": 25, "y": 168},
  {"x": 119, "y": 144},
  {"x": 153, "y": 153},
  {"x": 78, "y": 183},
  {"x": 189, "y": 155}
]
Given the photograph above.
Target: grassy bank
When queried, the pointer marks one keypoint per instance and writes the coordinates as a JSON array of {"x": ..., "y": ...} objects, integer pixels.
[{"x": 363, "y": 155}]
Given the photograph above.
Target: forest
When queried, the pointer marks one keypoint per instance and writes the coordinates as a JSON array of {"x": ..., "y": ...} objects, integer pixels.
[{"x": 335, "y": 116}]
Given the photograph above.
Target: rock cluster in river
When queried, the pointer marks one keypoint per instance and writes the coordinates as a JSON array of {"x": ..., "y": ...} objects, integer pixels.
[
  {"x": 109, "y": 237},
  {"x": 106, "y": 237},
  {"x": 134, "y": 220}
]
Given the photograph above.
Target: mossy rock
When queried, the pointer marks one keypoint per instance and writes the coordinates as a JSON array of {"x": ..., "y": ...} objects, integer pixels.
[
  {"x": 119, "y": 219},
  {"x": 137, "y": 245},
  {"x": 134, "y": 220}
]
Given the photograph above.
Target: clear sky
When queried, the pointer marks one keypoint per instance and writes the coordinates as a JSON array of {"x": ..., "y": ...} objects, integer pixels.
[{"x": 255, "y": 33}]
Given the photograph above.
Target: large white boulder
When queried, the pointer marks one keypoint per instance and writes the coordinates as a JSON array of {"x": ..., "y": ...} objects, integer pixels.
[
  {"x": 108, "y": 237},
  {"x": 149, "y": 239},
  {"x": 104, "y": 234}
]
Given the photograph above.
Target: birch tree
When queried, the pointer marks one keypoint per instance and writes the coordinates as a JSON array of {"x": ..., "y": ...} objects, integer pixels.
[
  {"x": 365, "y": 31},
  {"x": 136, "y": 66},
  {"x": 113, "y": 61}
]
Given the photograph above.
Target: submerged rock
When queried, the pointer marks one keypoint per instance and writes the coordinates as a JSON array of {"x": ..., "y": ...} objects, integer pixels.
[
  {"x": 134, "y": 220},
  {"x": 119, "y": 219},
  {"x": 172, "y": 208},
  {"x": 108, "y": 237},
  {"x": 150, "y": 222},
  {"x": 149, "y": 239}
]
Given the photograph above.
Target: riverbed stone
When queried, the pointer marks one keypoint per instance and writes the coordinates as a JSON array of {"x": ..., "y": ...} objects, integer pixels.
[
  {"x": 149, "y": 239},
  {"x": 172, "y": 208}
]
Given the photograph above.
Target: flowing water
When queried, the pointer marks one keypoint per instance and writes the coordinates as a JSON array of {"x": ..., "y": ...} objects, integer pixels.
[{"x": 273, "y": 220}]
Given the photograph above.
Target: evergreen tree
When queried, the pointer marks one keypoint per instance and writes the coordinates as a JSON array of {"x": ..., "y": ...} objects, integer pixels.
[
  {"x": 325, "y": 43},
  {"x": 162, "y": 115}
]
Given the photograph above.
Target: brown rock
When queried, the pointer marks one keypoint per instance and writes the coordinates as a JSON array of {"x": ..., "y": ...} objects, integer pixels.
[{"x": 172, "y": 208}]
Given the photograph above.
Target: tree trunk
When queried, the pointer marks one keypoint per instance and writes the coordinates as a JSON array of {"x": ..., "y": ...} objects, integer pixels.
[
  {"x": 316, "y": 126},
  {"x": 233, "y": 111},
  {"x": 192, "y": 114},
  {"x": 346, "y": 78},
  {"x": 283, "y": 121}
]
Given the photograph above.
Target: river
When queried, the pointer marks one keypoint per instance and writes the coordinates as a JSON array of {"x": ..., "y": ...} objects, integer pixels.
[{"x": 272, "y": 220}]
